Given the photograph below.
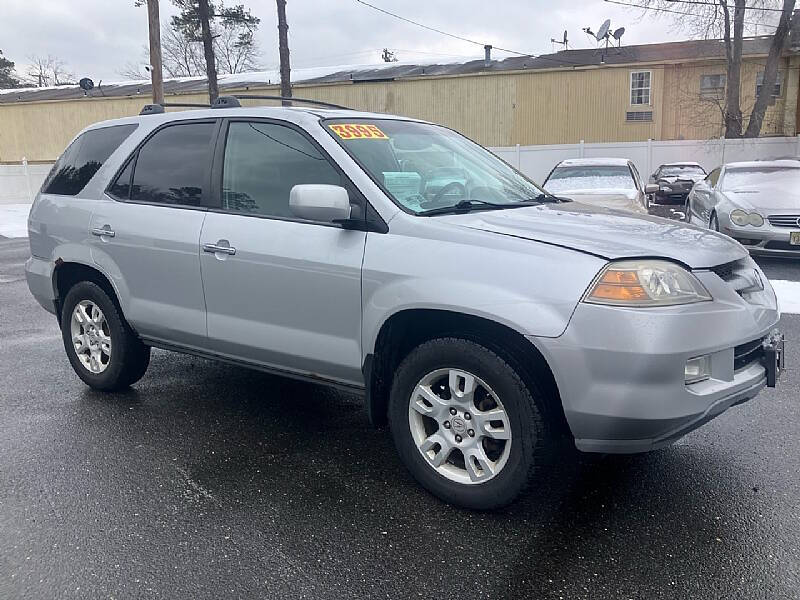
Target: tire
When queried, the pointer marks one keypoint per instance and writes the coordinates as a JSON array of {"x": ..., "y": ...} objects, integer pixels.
[
  {"x": 530, "y": 446},
  {"x": 120, "y": 358}
]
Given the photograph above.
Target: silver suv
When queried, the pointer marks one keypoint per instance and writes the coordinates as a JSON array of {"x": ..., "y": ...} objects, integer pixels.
[{"x": 483, "y": 318}]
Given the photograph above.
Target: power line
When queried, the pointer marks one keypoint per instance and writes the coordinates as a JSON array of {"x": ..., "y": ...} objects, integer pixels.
[
  {"x": 677, "y": 12},
  {"x": 452, "y": 35}
]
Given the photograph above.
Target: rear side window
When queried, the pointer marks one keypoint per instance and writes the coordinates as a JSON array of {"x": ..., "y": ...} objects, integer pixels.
[
  {"x": 83, "y": 158},
  {"x": 172, "y": 167}
]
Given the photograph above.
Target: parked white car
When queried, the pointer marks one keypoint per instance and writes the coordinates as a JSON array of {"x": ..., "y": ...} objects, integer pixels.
[{"x": 609, "y": 182}]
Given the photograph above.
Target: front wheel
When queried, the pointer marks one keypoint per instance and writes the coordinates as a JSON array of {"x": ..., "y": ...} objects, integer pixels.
[
  {"x": 466, "y": 425},
  {"x": 102, "y": 348}
]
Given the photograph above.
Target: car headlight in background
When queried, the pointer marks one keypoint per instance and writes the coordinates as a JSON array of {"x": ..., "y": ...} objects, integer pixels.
[
  {"x": 645, "y": 283},
  {"x": 742, "y": 218}
]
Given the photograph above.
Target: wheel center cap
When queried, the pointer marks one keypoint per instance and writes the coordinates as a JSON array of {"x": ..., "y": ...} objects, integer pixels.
[{"x": 459, "y": 425}]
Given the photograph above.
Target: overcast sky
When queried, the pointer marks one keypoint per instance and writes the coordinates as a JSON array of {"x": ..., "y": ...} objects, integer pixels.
[{"x": 96, "y": 38}]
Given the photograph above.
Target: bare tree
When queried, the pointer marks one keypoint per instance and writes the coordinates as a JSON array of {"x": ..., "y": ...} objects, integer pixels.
[
  {"x": 771, "y": 70},
  {"x": 713, "y": 19},
  {"x": 47, "y": 71}
]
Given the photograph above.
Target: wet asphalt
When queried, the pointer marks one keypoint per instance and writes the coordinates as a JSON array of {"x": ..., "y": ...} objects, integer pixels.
[{"x": 211, "y": 481}]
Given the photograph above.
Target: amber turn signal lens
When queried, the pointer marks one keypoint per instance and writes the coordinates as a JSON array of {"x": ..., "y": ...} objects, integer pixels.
[
  {"x": 615, "y": 277},
  {"x": 604, "y": 291}
]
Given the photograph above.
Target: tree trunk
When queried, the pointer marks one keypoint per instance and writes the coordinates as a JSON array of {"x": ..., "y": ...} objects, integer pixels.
[
  {"x": 283, "y": 52},
  {"x": 771, "y": 70},
  {"x": 208, "y": 50},
  {"x": 156, "y": 76},
  {"x": 733, "y": 111}
]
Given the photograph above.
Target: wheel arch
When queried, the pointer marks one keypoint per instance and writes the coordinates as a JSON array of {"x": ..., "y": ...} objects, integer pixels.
[
  {"x": 407, "y": 329},
  {"x": 67, "y": 273}
]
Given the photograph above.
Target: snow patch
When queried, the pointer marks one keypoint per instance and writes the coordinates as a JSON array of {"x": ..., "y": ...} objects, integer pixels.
[
  {"x": 788, "y": 293},
  {"x": 14, "y": 220}
]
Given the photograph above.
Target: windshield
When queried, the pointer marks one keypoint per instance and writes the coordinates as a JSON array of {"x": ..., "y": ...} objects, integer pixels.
[
  {"x": 757, "y": 177},
  {"x": 682, "y": 171},
  {"x": 590, "y": 178},
  {"x": 426, "y": 167}
]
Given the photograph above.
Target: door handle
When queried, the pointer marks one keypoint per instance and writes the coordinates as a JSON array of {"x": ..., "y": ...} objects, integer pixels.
[
  {"x": 214, "y": 248},
  {"x": 103, "y": 231}
]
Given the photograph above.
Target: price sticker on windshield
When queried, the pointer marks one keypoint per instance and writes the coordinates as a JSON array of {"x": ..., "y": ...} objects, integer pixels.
[{"x": 358, "y": 131}]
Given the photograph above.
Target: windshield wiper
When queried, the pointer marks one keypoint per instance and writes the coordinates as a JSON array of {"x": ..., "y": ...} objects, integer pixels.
[
  {"x": 547, "y": 197},
  {"x": 464, "y": 206}
]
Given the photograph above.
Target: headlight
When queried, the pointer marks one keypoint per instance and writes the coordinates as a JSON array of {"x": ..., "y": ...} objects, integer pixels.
[
  {"x": 755, "y": 219},
  {"x": 739, "y": 217},
  {"x": 645, "y": 283}
]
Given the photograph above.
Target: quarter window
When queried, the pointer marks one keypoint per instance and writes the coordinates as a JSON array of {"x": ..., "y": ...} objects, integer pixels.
[
  {"x": 83, "y": 158},
  {"x": 640, "y": 87},
  {"x": 263, "y": 161},
  {"x": 172, "y": 166}
]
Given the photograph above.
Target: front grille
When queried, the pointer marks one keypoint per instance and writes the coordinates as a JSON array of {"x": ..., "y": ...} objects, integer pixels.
[
  {"x": 727, "y": 271},
  {"x": 748, "y": 353},
  {"x": 784, "y": 221}
]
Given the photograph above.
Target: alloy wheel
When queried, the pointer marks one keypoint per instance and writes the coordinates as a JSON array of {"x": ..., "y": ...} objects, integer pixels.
[
  {"x": 459, "y": 426},
  {"x": 91, "y": 336}
]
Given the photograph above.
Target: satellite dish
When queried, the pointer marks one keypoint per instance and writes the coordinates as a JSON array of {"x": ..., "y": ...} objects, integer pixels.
[
  {"x": 603, "y": 31},
  {"x": 618, "y": 33},
  {"x": 86, "y": 84}
]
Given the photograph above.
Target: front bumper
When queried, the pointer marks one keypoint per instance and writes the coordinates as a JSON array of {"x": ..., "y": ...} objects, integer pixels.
[
  {"x": 620, "y": 372},
  {"x": 764, "y": 240}
]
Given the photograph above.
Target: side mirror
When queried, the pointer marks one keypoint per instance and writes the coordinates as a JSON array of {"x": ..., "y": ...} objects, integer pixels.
[
  {"x": 651, "y": 188},
  {"x": 319, "y": 202}
]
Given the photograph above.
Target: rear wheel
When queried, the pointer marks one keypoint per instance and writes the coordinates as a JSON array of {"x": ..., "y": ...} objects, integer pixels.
[
  {"x": 102, "y": 348},
  {"x": 466, "y": 425}
]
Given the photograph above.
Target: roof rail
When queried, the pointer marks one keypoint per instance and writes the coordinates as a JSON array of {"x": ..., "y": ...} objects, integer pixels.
[
  {"x": 288, "y": 99},
  {"x": 152, "y": 109}
]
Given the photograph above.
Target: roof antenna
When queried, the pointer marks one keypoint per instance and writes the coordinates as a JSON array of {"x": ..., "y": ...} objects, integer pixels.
[{"x": 562, "y": 42}]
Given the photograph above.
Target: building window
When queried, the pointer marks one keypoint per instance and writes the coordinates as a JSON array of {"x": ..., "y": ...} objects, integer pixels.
[
  {"x": 638, "y": 116},
  {"x": 640, "y": 87},
  {"x": 778, "y": 83},
  {"x": 712, "y": 85}
]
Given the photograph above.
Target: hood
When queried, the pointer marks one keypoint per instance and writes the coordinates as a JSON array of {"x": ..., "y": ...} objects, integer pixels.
[
  {"x": 766, "y": 198},
  {"x": 608, "y": 198},
  {"x": 607, "y": 233}
]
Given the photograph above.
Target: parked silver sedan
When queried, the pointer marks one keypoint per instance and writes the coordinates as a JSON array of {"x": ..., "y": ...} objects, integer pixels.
[
  {"x": 756, "y": 203},
  {"x": 608, "y": 182}
]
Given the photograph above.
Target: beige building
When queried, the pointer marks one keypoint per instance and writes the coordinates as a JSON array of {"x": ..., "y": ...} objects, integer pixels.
[{"x": 657, "y": 91}]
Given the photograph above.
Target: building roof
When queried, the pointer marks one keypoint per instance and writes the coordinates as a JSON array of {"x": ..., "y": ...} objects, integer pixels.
[{"x": 584, "y": 57}]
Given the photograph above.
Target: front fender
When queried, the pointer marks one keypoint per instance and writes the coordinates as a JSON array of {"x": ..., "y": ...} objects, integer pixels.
[{"x": 530, "y": 287}]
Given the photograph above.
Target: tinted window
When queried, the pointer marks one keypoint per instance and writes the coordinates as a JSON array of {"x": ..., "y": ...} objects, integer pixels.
[
  {"x": 713, "y": 177},
  {"x": 82, "y": 159},
  {"x": 688, "y": 171},
  {"x": 590, "y": 177},
  {"x": 263, "y": 162},
  {"x": 173, "y": 165}
]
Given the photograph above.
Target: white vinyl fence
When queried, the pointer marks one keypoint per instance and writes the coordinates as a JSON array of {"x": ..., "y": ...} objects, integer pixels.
[
  {"x": 537, "y": 161},
  {"x": 19, "y": 182}
]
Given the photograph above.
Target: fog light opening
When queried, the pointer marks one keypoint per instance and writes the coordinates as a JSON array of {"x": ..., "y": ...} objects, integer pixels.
[{"x": 697, "y": 369}]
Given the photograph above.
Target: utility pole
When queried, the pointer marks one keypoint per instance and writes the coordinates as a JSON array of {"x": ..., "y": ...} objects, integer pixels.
[
  {"x": 156, "y": 76},
  {"x": 208, "y": 50},
  {"x": 283, "y": 52}
]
